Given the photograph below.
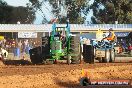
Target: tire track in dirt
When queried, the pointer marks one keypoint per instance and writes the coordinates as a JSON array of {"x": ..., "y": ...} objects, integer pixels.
[{"x": 61, "y": 75}]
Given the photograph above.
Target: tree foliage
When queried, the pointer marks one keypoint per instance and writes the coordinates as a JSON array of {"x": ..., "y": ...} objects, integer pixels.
[
  {"x": 11, "y": 15},
  {"x": 36, "y": 5},
  {"x": 109, "y": 11},
  {"x": 74, "y": 9},
  {"x": 24, "y": 15},
  {"x": 2, "y": 3},
  {"x": 4, "y": 12}
]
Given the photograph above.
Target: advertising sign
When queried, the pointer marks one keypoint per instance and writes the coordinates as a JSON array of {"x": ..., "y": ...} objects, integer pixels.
[{"x": 27, "y": 34}]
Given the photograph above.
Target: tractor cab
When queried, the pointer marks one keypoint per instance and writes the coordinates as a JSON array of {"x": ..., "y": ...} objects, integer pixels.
[
  {"x": 58, "y": 41},
  {"x": 59, "y": 33}
]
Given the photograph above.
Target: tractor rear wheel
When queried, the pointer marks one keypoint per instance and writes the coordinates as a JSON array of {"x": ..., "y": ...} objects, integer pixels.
[
  {"x": 88, "y": 54},
  {"x": 36, "y": 55},
  {"x": 112, "y": 55},
  {"x": 68, "y": 59},
  {"x": 45, "y": 47},
  {"x": 106, "y": 59},
  {"x": 75, "y": 49}
]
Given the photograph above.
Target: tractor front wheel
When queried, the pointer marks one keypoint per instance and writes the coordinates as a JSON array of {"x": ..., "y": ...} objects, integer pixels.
[{"x": 68, "y": 59}]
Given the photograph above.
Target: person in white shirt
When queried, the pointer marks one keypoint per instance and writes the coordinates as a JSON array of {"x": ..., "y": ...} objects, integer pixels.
[{"x": 3, "y": 52}]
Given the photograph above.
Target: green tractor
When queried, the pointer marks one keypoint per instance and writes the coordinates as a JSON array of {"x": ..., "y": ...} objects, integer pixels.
[
  {"x": 60, "y": 45},
  {"x": 64, "y": 45}
]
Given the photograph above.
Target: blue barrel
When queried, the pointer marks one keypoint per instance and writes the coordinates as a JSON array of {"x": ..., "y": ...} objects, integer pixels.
[
  {"x": 16, "y": 52},
  {"x": 27, "y": 50}
]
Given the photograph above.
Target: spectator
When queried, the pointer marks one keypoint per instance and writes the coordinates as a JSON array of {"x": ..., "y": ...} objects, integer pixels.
[
  {"x": 3, "y": 52},
  {"x": 20, "y": 44}
]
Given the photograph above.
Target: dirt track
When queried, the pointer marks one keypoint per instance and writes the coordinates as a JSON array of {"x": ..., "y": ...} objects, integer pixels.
[{"x": 61, "y": 75}]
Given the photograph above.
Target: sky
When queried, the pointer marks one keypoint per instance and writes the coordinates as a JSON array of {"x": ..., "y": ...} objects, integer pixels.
[
  {"x": 17, "y": 2},
  {"x": 46, "y": 8},
  {"x": 47, "y": 12}
]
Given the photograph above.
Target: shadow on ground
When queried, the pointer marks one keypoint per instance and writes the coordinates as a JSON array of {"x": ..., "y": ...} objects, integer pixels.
[
  {"x": 67, "y": 84},
  {"x": 17, "y": 62}
]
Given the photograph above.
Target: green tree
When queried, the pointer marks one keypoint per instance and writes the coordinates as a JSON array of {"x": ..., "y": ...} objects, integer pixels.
[
  {"x": 109, "y": 11},
  {"x": 11, "y": 15},
  {"x": 2, "y": 3},
  {"x": 22, "y": 14},
  {"x": 73, "y": 9},
  {"x": 5, "y": 17}
]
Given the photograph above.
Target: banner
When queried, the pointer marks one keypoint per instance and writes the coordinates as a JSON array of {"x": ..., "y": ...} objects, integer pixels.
[{"x": 27, "y": 34}]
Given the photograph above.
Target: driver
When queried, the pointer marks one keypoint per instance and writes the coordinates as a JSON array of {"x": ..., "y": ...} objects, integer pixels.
[{"x": 111, "y": 36}]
